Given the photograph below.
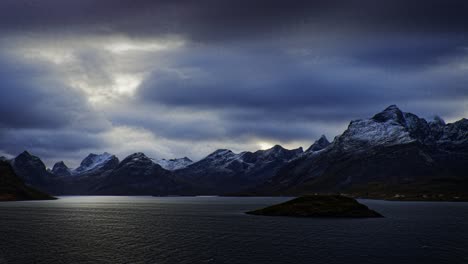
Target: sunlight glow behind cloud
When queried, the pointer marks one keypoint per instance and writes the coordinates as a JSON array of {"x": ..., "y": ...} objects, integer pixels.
[
  {"x": 174, "y": 78},
  {"x": 105, "y": 69},
  {"x": 124, "y": 46}
]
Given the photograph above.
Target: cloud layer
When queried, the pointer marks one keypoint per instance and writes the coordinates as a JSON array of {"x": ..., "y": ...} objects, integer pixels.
[{"x": 182, "y": 78}]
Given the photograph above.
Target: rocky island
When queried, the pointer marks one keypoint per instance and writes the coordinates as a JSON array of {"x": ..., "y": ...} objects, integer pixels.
[
  {"x": 12, "y": 188},
  {"x": 319, "y": 206}
]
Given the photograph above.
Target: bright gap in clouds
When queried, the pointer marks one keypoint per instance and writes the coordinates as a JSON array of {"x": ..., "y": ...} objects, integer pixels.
[
  {"x": 126, "y": 84},
  {"x": 105, "y": 69},
  {"x": 263, "y": 145},
  {"x": 121, "y": 47}
]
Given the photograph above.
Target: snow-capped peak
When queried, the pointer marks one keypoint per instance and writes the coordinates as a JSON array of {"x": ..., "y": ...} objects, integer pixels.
[
  {"x": 174, "y": 164},
  {"x": 391, "y": 113},
  {"x": 94, "y": 162},
  {"x": 137, "y": 156},
  {"x": 388, "y": 127},
  {"x": 221, "y": 152}
]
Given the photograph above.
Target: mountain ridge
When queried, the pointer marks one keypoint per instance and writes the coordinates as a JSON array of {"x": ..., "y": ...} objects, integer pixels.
[{"x": 392, "y": 151}]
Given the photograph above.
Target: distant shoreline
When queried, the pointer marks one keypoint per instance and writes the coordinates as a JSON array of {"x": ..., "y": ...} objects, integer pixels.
[{"x": 407, "y": 199}]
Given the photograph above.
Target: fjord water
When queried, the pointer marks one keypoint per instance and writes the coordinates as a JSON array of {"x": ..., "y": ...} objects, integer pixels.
[{"x": 215, "y": 230}]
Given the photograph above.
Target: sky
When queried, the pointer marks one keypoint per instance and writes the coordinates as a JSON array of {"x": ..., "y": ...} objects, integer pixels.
[{"x": 184, "y": 78}]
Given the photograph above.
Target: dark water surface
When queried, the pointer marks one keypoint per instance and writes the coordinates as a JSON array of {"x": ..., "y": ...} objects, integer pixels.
[{"x": 215, "y": 230}]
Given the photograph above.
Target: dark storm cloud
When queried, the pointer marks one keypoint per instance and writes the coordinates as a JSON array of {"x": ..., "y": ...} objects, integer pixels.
[
  {"x": 247, "y": 70},
  {"x": 406, "y": 52},
  {"x": 31, "y": 99},
  {"x": 294, "y": 88},
  {"x": 383, "y": 33},
  {"x": 51, "y": 145},
  {"x": 216, "y": 19},
  {"x": 40, "y": 113},
  {"x": 43, "y": 141}
]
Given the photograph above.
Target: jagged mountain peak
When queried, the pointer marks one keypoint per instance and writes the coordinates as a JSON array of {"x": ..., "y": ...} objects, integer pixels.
[
  {"x": 438, "y": 121},
  {"x": 60, "y": 169},
  {"x": 25, "y": 156},
  {"x": 60, "y": 164},
  {"x": 456, "y": 132},
  {"x": 96, "y": 162},
  {"x": 388, "y": 127},
  {"x": 280, "y": 150},
  {"x": 277, "y": 147},
  {"x": 174, "y": 164},
  {"x": 393, "y": 127},
  {"x": 462, "y": 121},
  {"x": 138, "y": 160},
  {"x": 319, "y": 144},
  {"x": 323, "y": 138},
  {"x": 137, "y": 156},
  {"x": 392, "y": 148},
  {"x": 392, "y": 107},
  {"x": 31, "y": 169},
  {"x": 176, "y": 159},
  {"x": 391, "y": 113},
  {"x": 92, "y": 155},
  {"x": 184, "y": 158},
  {"x": 221, "y": 152}
]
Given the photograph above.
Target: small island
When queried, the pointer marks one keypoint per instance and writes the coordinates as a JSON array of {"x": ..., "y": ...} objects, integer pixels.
[{"x": 319, "y": 206}]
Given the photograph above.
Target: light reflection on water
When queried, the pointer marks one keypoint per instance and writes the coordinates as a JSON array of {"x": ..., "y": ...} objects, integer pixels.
[{"x": 116, "y": 229}]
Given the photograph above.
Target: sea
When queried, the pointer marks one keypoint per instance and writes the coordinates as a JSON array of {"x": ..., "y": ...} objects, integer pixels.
[{"x": 144, "y": 229}]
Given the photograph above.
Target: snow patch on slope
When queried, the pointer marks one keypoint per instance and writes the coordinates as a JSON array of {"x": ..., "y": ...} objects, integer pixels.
[
  {"x": 93, "y": 162},
  {"x": 174, "y": 164}
]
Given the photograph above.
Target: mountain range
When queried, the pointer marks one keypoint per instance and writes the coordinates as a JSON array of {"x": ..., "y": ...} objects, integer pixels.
[{"x": 393, "y": 154}]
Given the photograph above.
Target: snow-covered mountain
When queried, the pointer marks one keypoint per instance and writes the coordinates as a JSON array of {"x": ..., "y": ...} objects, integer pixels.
[
  {"x": 389, "y": 150},
  {"x": 174, "y": 164},
  {"x": 96, "y": 163},
  {"x": 138, "y": 175},
  {"x": 225, "y": 171},
  {"x": 386, "y": 128},
  {"x": 226, "y": 160},
  {"x": 393, "y": 127}
]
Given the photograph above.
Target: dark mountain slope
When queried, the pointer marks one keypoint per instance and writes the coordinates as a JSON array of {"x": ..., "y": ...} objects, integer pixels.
[
  {"x": 61, "y": 170},
  {"x": 139, "y": 175},
  {"x": 12, "y": 188},
  {"x": 34, "y": 173},
  {"x": 224, "y": 171}
]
